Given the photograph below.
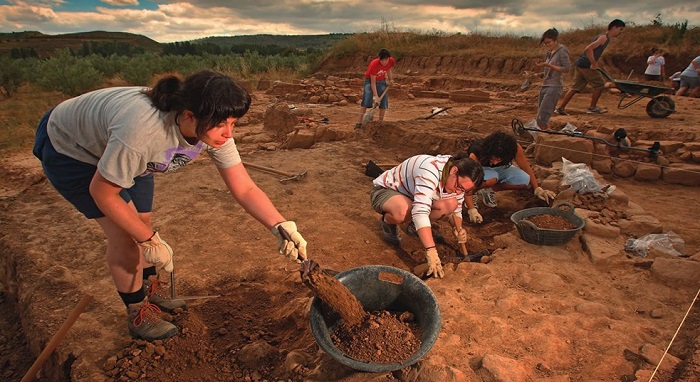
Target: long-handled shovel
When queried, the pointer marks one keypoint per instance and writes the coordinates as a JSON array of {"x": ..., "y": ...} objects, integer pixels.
[{"x": 370, "y": 114}]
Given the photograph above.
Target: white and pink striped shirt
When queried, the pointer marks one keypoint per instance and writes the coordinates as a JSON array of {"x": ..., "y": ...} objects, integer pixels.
[{"x": 418, "y": 177}]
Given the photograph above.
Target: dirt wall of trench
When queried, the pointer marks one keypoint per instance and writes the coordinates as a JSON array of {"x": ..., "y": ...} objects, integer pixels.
[{"x": 618, "y": 65}]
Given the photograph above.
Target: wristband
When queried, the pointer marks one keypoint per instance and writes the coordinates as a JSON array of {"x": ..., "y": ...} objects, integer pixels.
[
  {"x": 430, "y": 248},
  {"x": 149, "y": 239}
]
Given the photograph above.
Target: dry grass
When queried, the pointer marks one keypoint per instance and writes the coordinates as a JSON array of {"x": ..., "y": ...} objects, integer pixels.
[
  {"x": 20, "y": 114},
  {"x": 637, "y": 40}
]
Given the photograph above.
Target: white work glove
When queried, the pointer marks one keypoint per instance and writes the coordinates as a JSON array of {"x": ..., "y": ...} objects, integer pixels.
[
  {"x": 545, "y": 195},
  {"x": 375, "y": 100},
  {"x": 434, "y": 265},
  {"x": 460, "y": 235},
  {"x": 474, "y": 216},
  {"x": 295, "y": 249},
  {"x": 157, "y": 252}
]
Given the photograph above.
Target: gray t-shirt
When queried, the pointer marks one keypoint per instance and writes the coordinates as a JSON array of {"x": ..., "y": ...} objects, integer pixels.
[
  {"x": 559, "y": 57},
  {"x": 125, "y": 136},
  {"x": 690, "y": 71}
]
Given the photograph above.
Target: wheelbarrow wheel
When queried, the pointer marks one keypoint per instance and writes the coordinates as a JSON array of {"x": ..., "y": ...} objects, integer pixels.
[{"x": 661, "y": 107}]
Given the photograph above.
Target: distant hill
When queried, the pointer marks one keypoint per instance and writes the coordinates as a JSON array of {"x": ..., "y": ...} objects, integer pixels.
[
  {"x": 44, "y": 45},
  {"x": 320, "y": 42}
]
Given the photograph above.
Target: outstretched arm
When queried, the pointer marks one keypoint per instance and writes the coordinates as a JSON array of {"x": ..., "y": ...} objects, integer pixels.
[
  {"x": 250, "y": 196},
  {"x": 258, "y": 205},
  {"x": 521, "y": 161}
]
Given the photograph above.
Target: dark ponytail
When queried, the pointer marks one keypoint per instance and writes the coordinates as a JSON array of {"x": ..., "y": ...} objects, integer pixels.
[{"x": 166, "y": 94}]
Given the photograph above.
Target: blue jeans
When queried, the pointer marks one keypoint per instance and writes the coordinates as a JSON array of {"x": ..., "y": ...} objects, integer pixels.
[
  {"x": 367, "y": 94},
  {"x": 507, "y": 174},
  {"x": 72, "y": 178}
]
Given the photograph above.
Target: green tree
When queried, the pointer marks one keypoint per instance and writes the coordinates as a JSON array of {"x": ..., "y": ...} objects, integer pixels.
[
  {"x": 12, "y": 75},
  {"x": 68, "y": 74},
  {"x": 139, "y": 70}
]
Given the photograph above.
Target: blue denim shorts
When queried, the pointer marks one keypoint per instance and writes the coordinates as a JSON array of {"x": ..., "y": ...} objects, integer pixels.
[
  {"x": 72, "y": 178},
  {"x": 367, "y": 94}
]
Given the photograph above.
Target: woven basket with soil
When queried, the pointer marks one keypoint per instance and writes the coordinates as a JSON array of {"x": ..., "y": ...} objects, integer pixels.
[{"x": 532, "y": 233}]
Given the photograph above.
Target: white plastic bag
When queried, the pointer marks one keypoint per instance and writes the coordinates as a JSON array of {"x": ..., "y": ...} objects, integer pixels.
[
  {"x": 579, "y": 177},
  {"x": 669, "y": 243},
  {"x": 532, "y": 125},
  {"x": 568, "y": 128}
]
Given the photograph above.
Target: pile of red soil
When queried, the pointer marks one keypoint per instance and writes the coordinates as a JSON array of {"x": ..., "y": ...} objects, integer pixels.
[
  {"x": 382, "y": 337},
  {"x": 554, "y": 222}
]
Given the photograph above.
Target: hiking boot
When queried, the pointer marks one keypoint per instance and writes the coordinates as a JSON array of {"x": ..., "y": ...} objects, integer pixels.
[
  {"x": 391, "y": 233},
  {"x": 560, "y": 111},
  {"x": 144, "y": 322},
  {"x": 437, "y": 235},
  {"x": 358, "y": 125},
  {"x": 596, "y": 110},
  {"x": 488, "y": 196},
  {"x": 158, "y": 295}
]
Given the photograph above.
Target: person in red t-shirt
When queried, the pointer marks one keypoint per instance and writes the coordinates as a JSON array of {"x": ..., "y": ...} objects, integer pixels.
[{"x": 377, "y": 77}]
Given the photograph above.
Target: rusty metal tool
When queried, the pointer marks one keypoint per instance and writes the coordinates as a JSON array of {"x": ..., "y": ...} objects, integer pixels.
[
  {"x": 172, "y": 284},
  {"x": 287, "y": 175}
]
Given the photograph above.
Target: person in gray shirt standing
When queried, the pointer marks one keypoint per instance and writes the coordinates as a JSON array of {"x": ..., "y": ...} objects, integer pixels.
[{"x": 555, "y": 63}]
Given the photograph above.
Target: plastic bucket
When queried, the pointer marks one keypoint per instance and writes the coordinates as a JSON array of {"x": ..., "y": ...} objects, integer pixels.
[{"x": 380, "y": 287}]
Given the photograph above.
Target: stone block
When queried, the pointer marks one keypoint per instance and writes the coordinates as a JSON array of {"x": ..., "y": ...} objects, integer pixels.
[
  {"x": 685, "y": 174},
  {"x": 469, "y": 96},
  {"x": 602, "y": 230},
  {"x": 692, "y": 146},
  {"x": 669, "y": 147},
  {"x": 640, "y": 225},
  {"x": 624, "y": 168},
  {"x": 603, "y": 166},
  {"x": 676, "y": 272},
  {"x": 647, "y": 172},
  {"x": 552, "y": 148}
]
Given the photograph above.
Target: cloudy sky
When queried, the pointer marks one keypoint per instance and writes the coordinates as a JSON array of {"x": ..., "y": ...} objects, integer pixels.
[{"x": 168, "y": 21}]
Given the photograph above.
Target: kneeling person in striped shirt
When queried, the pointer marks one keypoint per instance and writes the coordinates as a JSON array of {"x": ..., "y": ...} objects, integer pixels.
[{"x": 421, "y": 190}]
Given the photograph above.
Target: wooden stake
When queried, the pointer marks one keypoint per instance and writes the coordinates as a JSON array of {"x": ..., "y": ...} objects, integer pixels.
[{"x": 56, "y": 339}]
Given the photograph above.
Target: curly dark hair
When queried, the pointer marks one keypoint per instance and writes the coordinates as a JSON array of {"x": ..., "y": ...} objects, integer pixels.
[{"x": 500, "y": 145}]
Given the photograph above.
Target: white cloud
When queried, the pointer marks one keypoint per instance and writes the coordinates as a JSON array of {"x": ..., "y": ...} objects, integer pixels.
[
  {"x": 180, "y": 21},
  {"x": 121, "y": 3}
]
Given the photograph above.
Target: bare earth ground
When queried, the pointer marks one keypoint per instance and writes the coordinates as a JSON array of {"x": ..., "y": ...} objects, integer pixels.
[{"x": 536, "y": 313}]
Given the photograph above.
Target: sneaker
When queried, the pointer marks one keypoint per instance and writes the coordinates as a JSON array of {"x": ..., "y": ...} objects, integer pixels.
[
  {"x": 158, "y": 295},
  {"x": 596, "y": 110},
  {"x": 437, "y": 236},
  {"x": 560, "y": 111},
  {"x": 391, "y": 233},
  {"x": 488, "y": 196},
  {"x": 144, "y": 322},
  {"x": 358, "y": 125}
]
